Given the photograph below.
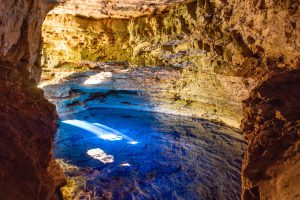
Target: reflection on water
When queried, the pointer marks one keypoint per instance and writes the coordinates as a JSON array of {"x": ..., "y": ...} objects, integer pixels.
[{"x": 174, "y": 157}]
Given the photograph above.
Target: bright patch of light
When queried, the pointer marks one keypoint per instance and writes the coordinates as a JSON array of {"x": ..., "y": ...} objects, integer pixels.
[
  {"x": 99, "y": 132},
  {"x": 98, "y": 78},
  {"x": 42, "y": 85},
  {"x": 125, "y": 164},
  {"x": 133, "y": 142},
  {"x": 62, "y": 46},
  {"x": 99, "y": 154},
  {"x": 115, "y": 132}
]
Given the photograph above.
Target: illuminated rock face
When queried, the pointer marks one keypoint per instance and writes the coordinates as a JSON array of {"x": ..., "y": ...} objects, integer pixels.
[
  {"x": 113, "y": 9},
  {"x": 68, "y": 38},
  {"x": 19, "y": 27},
  {"x": 222, "y": 50}
]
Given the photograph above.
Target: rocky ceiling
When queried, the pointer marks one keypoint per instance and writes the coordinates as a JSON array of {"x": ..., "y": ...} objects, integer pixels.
[{"x": 112, "y": 8}]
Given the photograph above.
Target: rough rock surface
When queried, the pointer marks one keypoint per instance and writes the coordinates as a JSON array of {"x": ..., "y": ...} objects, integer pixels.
[
  {"x": 72, "y": 39},
  {"x": 226, "y": 46},
  {"x": 27, "y": 119},
  {"x": 272, "y": 127},
  {"x": 112, "y": 9},
  {"x": 20, "y": 32},
  {"x": 27, "y": 128},
  {"x": 221, "y": 48}
]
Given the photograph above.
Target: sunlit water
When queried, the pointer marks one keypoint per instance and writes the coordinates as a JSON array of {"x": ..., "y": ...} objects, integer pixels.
[
  {"x": 126, "y": 152},
  {"x": 173, "y": 157}
]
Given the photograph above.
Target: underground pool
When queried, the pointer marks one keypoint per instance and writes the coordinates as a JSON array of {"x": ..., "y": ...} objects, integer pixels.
[{"x": 115, "y": 150}]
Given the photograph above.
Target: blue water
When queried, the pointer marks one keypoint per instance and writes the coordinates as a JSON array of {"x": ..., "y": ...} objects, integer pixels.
[{"x": 175, "y": 157}]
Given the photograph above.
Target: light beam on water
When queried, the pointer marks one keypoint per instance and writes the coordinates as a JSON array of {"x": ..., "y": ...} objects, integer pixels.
[
  {"x": 101, "y": 131},
  {"x": 130, "y": 141}
]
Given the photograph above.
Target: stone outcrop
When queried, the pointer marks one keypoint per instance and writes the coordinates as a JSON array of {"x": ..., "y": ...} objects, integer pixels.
[
  {"x": 272, "y": 127},
  {"x": 27, "y": 119}
]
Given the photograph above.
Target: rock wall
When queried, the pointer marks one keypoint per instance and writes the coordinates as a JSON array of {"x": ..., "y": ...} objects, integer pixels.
[
  {"x": 121, "y": 9},
  {"x": 72, "y": 39},
  {"x": 271, "y": 125},
  {"x": 221, "y": 48},
  {"x": 27, "y": 119},
  {"x": 19, "y": 27}
]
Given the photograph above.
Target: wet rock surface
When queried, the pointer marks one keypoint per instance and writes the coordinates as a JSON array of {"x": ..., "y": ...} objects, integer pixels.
[{"x": 172, "y": 156}]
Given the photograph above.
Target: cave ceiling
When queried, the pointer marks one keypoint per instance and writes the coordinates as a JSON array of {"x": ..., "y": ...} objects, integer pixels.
[{"x": 112, "y": 8}]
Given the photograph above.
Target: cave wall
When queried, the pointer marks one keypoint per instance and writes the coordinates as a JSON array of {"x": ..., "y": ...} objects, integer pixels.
[
  {"x": 271, "y": 125},
  {"x": 27, "y": 119},
  {"x": 222, "y": 49},
  {"x": 69, "y": 38}
]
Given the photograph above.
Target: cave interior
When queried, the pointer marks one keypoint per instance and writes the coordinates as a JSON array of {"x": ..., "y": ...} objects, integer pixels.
[{"x": 154, "y": 99}]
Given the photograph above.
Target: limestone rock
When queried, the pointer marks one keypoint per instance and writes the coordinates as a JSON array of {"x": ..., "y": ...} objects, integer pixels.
[
  {"x": 20, "y": 32},
  {"x": 27, "y": 127},
  {"x": 271, "y": 125},
  {"x": 27, "y": 119},
  {"x": 222, "y": 49},
  {"x": 112, "y": 9}
]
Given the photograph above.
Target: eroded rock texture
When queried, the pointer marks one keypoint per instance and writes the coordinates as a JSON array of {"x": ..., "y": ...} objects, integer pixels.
[
  {"x": 123, "y": 9},
  {"x": 27, "y": 119},
  {"x": 27, "y": 127},
  {"x": 222, "y": 49},
  {"x": 20, "y": 32},
  {"x": 272, "y": 128}
]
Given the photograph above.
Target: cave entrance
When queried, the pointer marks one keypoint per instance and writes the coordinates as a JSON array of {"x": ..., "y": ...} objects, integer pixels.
[{"x": 131, "y": 103}]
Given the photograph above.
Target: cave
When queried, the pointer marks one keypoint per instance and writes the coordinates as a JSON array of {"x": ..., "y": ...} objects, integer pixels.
[{"x": 132, "y": 99}]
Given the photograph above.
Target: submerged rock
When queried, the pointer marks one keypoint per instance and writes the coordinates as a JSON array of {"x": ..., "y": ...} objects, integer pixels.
[{"x": 100, "y": 155}]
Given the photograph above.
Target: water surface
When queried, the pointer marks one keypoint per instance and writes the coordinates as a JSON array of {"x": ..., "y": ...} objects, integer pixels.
[
  {"x": 175, "y": 157},
  {"x": 121, "y": 150}
]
